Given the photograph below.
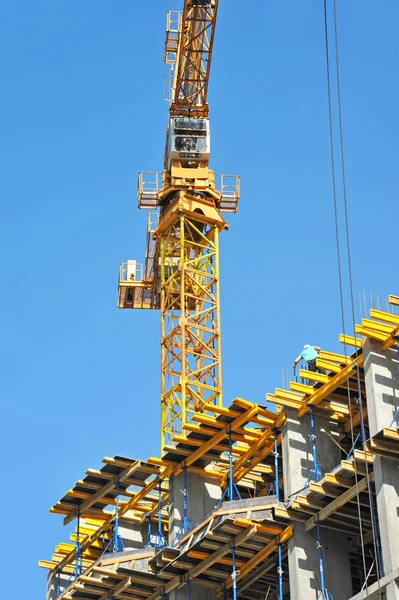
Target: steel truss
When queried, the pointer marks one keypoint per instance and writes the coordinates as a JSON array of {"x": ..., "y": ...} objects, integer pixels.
[{"x": 190, "y": 332}]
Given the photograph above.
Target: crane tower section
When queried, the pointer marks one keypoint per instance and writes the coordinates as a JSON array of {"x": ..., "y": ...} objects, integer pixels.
[{"x": 181, "y": 270}]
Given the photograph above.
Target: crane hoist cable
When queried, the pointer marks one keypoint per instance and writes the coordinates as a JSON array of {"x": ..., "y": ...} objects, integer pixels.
[{"x": 349, "y": 262}]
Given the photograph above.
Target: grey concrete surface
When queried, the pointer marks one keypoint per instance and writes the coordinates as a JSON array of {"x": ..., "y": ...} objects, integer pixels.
[
  {"x": 203, "y": 496},
  {"x": 303, "y": 554},
  {"x": 381, "y": 370}
]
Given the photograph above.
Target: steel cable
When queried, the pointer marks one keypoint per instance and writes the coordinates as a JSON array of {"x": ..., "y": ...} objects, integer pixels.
[
  {"x": 334, "y": 185},
  {"x": 345, "y": 203}
]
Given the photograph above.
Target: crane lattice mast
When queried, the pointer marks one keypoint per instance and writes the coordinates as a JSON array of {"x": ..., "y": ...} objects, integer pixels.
[{"x": 181, "y": 270}]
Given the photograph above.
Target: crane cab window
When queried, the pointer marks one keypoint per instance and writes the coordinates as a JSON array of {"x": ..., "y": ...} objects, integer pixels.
[{"x": 189, "y": 138}]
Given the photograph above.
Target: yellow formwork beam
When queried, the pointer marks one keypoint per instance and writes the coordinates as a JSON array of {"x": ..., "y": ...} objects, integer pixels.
[
  {"x": 350, "y": 340},
  {"x": 335, "y": 357}
]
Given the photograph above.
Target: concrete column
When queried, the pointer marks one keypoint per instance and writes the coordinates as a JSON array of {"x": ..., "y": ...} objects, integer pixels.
[
  {"x": 134, "y": 536},
  {"x": 297, "y": 449},
  {"x": 203, "y": 496},
  {"x": 303, "y": 554},
  {"x": 381, "y": 370},
  {"x": 52, "y": 584}
]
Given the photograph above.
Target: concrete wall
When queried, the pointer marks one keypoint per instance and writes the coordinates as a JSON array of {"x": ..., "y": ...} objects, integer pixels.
[
  {"x": 381, "y": 369},
  {"x": 51, "y": 586},
  {"x": 203, "y": 496},
  {"x": 297, "y": 449},
  {"x": 134, "y": 536},
  {"x": 303, "y": 554}
]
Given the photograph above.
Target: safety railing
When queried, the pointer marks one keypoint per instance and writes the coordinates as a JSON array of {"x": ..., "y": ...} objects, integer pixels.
[
  {"x": 148, "y": 187},
  {"x": 173, "y": 26},
  {"x": 130, "y": 271},
  {"x": 133, "y": 292},
  {"x": 229, "y": 188},
  {"x": 152, "y": 222}
]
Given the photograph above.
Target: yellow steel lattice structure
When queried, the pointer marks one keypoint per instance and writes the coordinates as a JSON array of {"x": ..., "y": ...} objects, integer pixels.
[
  {"x": 190, "y": 335},
  {"x": 181, "y": 270}
]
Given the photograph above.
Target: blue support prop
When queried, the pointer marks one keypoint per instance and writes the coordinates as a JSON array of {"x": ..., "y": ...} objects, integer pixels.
[
  {"x": 276, "y": 478},
  {"x": 326, "y": 595},
  {"x": 316, "y": 468},
  {"x": 186, "y": 524},
  {"x": 79, "y": 558},
  {"x": 115, "y": 543},
  {"x": 396, "y": 416},
  {"x": 234, "y": 573},
  {"x": 316, "y": 472},
  {"x": 396, "y": 338},
  {"x": 58, "y": 581},
  {"x": 188, "y": 591},
  {"x": 280, "y": 571},
  {"x": 231, "y": 490},
  {"x": 157, "y": 539},
  {"x": 353, "y": 447}
]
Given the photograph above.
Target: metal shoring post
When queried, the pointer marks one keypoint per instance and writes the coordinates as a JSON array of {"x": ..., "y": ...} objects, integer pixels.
[
  {"x": 58, "y": 581},
  {"x": 396, "y": 415},
  {"x": 321, "y": 567},
  {"x": 316, "y": 468},
  {"x": 149, "y": 531},
  {"x": 280, "y": 571},
  {"x": 161, "y": 540},
  {"x": 396, "y": 338},
  {"x": 118, "y": 543},
  {"x": 231, "y": 489},
  {"x": 185, "y": 523},
  {"x": 276, "y": 484},
  {"x": 77, "y": 565},
  {"x": 188, "y": 588},
  {"x": 234, "y": 573}
]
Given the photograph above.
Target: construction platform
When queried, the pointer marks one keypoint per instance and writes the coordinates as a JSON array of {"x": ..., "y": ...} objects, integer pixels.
[{"x": 248, "y": 503}]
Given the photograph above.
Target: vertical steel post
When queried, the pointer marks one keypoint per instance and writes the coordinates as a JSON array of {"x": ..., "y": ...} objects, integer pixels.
[
  {"x": 234, "y": 574},
  {"x": 231, "y": 483},
  {"x": 161, "y": 538},
  {"x": 316, "y": 469},
  {"x": 149, "y": 529},
  {"x": 185, "y": 520},
  {"x": 280, "y": 571},
  {"x": 276, "y": 478},
  {"x": 77, "y": 546},
  {"x": 324, "y": 592}
]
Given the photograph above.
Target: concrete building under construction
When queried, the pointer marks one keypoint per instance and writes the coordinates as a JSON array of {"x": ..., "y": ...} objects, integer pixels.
[{"x": 243, "y": 502}]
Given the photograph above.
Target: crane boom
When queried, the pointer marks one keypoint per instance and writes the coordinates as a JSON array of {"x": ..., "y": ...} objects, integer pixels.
[{"x": 193, "y": 60}]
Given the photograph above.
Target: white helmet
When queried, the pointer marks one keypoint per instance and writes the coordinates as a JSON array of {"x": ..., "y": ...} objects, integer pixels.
[{"x": 306, "y": 346}]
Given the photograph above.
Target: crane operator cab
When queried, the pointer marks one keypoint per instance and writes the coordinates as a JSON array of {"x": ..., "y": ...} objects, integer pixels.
[{"x": 189, "y": 139}]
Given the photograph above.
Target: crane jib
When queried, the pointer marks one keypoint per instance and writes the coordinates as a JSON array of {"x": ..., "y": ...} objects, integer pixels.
[{"x": 193, "y": 60}]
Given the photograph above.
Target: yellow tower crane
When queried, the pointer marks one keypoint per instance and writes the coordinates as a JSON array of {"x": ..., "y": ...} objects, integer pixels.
[{"x": 181, "y": 269}]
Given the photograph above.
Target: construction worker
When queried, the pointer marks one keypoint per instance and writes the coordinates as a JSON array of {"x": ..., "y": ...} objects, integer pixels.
[{"x": 310, "y": 354}]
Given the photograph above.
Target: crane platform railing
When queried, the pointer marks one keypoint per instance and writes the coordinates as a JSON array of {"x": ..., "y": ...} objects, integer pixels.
[
  {"x": 133, "y": 292},
  {"x": 148, "y": 188},
  {"x": 150, "y": 184},
  {"x": 173, "y": 29}
]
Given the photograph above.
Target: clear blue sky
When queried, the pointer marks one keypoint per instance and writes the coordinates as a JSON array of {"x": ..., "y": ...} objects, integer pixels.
[{"x": 81, "y": 113}]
